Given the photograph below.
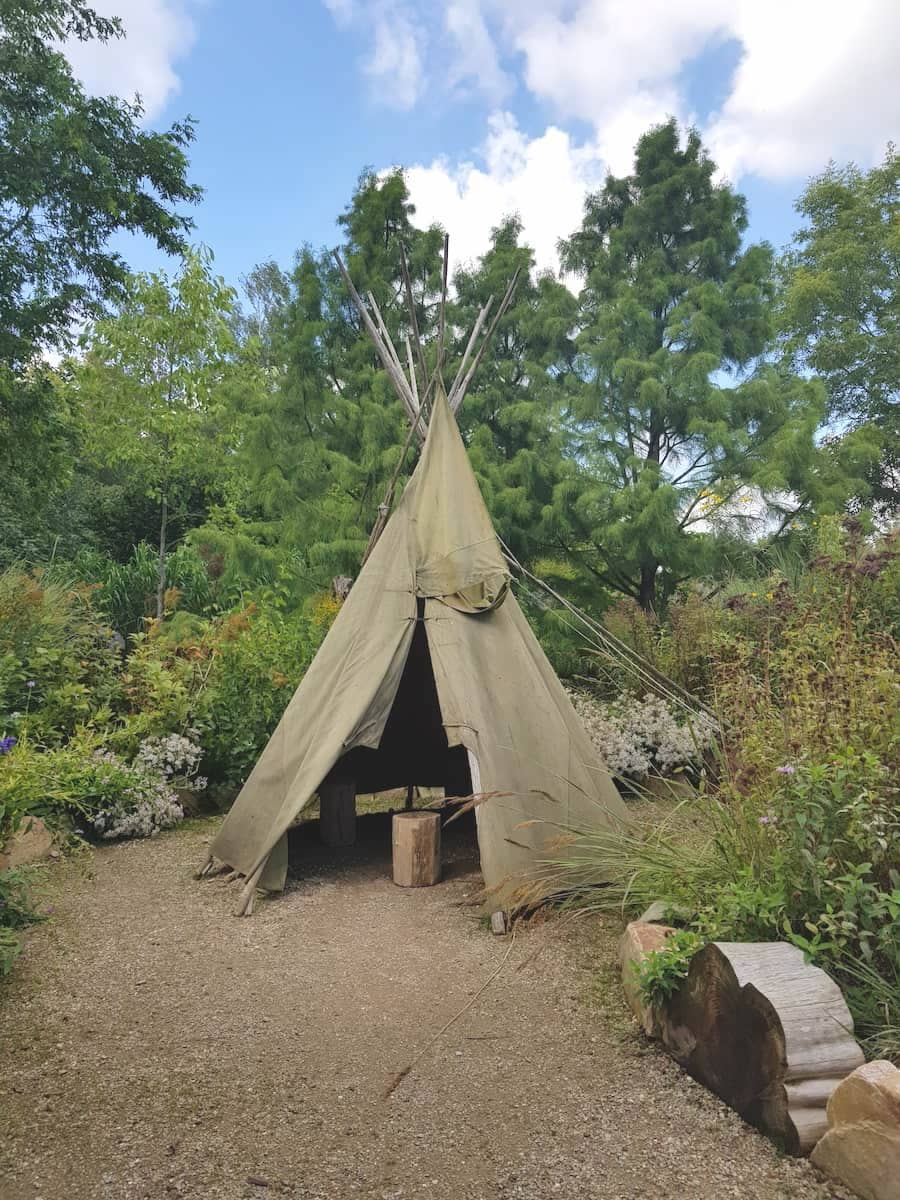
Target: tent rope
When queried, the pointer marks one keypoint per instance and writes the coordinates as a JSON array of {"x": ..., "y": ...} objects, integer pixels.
[
  {"x": 397, "y": 1079},
  {"x": 609, "y": 645}
]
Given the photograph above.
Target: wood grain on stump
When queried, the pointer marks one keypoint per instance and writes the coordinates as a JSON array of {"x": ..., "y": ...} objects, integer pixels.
[
  {"x": 417, "y": 849},
  {"x": 766, "y": 1031}
]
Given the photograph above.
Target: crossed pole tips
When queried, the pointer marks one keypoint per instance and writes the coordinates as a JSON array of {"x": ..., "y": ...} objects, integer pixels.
[
  {"x": 413, "y": 383},
  {"x": 415, "y": 393}
]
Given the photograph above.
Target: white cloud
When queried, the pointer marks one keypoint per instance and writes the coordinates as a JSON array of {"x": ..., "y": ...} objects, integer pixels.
[
  {"x": 806, "y": 89},
  {"x": 157, "y": 34},
  {"x": 814, "y": 81},
  {"x": 475, "y": 58},
  {"x": 810, "y": 88},
  {"x": 395, "y": 65},
  {"x": 543, "y": 179}
]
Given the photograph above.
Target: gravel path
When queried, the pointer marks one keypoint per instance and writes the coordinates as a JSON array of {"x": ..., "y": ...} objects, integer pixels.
[{"x": 154, "y": 1046}]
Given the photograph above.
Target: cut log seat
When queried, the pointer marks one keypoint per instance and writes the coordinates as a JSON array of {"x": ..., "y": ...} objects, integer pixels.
[{"x": 766, "y": 1031}]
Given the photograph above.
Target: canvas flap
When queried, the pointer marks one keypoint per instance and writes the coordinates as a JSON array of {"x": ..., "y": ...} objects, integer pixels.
[{"x": 458, "y": 557}]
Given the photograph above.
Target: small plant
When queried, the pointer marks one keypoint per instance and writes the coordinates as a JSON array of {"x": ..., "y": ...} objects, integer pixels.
[
  {"x": 661, "y": 972},
  {"x": 16, "y": 911}
]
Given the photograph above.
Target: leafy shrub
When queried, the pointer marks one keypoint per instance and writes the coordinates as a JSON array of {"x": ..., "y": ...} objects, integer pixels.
[
  {"x": 16, "y": 912},
  {"x": 58, "y": 667},
  {"x": 87, "y": 785},
  {"x": 122, "y": 800},
  {"x": 801, "y": 838},
  {"x": 127, "y": 591}
]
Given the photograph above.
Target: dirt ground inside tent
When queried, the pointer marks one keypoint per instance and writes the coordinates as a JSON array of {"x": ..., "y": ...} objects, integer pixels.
[{"x": 151, "y": 1045}]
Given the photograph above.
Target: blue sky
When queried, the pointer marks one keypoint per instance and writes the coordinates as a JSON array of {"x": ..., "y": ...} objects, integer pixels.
[{"x": 493, "y": 105}]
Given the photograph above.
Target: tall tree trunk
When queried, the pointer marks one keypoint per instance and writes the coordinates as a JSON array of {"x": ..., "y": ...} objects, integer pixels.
[
  {"x": 647, "y": 592},
  {"x": 161, "y": 566}
]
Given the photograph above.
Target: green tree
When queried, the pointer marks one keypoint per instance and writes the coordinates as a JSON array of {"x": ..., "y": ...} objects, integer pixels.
[
  {"x": 153, "y": 387},
  {"x": 840, "y": 308},
  {"x": 324, "y": 435},
  {"x": 509, "y": 417},
  {"x": 74, "y": 169},
  {"x": 666, "y": 418}
]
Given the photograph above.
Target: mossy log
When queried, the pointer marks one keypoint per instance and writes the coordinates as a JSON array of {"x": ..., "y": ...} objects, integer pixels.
[{"x": 766, "y": 1031}]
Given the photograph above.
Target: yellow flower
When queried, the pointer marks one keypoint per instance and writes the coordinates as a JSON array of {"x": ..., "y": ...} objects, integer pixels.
[
  {"x": 770, "y": 595},
  {"x": 753, "y": 595}
]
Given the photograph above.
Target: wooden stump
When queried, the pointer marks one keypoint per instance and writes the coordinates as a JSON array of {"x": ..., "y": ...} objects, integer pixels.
[
  {"x": 337, "y": 812},
  {"x": 417, "y": 849},
  {"x": 767, "y": 1032}
]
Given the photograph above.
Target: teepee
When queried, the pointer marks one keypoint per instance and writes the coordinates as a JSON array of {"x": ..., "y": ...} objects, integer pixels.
[{"x": 430, "y": 675}]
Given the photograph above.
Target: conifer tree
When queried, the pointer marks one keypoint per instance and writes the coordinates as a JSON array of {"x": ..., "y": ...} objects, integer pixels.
[{"x": 667, "y": 418}]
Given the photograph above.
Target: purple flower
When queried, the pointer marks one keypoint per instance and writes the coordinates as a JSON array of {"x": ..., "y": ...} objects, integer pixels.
[
  {"x": 6, "y": 744},
  {"x": 768, "y": 820},
  {"x": 787, "y": 769}
]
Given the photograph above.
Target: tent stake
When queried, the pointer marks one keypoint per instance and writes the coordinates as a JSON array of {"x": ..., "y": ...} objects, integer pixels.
[{"x": 245, "y": 901}]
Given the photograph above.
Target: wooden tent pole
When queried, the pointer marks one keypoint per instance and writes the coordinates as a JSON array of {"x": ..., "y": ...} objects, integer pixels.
[
  {"x": 412, "y": 407},
  {"x": 412, "y": 372},
  {"x": 442, "y": 323},
  {"x": 401, "y": 386},
  {"x": 457, "y": 397},
  {"x": 413, "y": 319},
  {"x": 244, "y": 905},
  {"x": 476, "y": 329}
]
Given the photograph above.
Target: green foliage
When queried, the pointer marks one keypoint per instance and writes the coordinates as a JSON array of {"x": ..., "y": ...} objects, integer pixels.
[
  {"x": 670, "y": 304},
  {"x": 85, "y": 787},
  {"x": 126, "y": 592},
  {"x": 507, "y": 416},
  {"x": 16, "y": 912},
  {"x": 58, "y": 668},
  {"x": 153, "y": 384},
  {"x": 661, "y": 972},
  {"x": 799, "y": 837},
  {"x": 75, "y": 170},
  {"x": 840, "y": 309}
]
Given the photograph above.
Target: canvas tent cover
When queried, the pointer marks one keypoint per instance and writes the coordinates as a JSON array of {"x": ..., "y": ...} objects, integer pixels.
[{"x": 438, "y": 566}]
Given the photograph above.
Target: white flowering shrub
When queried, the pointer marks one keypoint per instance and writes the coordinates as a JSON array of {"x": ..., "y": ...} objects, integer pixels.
[
  {"x": 175, "y": 758},
  {"x": 636, "y": 736},
  {"x": 129, "y": 800}
]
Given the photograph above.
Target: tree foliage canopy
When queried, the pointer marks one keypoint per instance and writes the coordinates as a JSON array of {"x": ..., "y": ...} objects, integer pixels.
[
  {"x": 669, "y": 412},
  {"x": 840, "y": 307},
  {"x": 74, "y": 169}
]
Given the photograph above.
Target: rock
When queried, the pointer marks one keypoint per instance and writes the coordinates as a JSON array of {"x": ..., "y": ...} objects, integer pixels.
[
  {"x": 30, "y": 844},
  {"x": 862, "y": 1145},
  {"x": 655, "y": 914},
  {"x": 638, "y": 940},
  {"x": 669, "y": 787}
]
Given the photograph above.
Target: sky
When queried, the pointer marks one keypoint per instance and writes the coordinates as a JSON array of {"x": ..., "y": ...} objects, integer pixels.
[{"x": 492, "y": 106}]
